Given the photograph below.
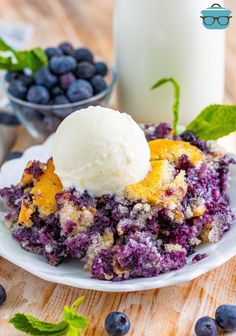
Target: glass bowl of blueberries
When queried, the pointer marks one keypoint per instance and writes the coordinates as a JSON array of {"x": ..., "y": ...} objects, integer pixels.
[{"x": 72, "y": 79}]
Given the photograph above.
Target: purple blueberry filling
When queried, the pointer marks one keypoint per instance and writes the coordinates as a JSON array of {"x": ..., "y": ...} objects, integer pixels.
[{"x": 120, "y": 239}]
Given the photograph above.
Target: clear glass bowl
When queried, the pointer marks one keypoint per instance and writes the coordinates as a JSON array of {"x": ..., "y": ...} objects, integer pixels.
[{"x": 42, "y": 120}]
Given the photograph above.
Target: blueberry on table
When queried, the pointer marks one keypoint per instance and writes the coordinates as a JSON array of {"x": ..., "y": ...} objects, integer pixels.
[
  {"x": 83, "y": 54},
  {"x": 66, "y": 79},
  {"x": 43, "y": 76},
  {"x": 101, "y": 68},
  {"x": 57, "y": 91},
  {"x": 3, "y": 294},
  {"x": 62, "y": 64},
  {"x": 38, "y": 94},
  {"x": 206, "y": 326},
  {"x": 85, "y": 70},
  {"x": 18, "y": 89},
  {"x": 11, "y": 75},
  {"x": 98, "y": 83},
  {"x": 226, "y": 317},
  {"x": 66, "y": 48},
  {"x": 60, "y": 100},
  {"x": 117, "y": 324},
  {"x": 79, "y": 90},
  {"x": 51, "y": 52}
]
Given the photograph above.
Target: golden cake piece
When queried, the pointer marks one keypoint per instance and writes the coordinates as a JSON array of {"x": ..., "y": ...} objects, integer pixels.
[
  {"x": 160, "y": 186},
  {"x": 28, "y": 178},
  {"x": 26, "y": 210},
  {"x": 45, "y": 190},
  {"x": 172, "y": 150}
]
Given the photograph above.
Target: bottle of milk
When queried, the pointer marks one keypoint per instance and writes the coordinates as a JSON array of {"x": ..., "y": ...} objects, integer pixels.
[{"x": 166, "y": 38}]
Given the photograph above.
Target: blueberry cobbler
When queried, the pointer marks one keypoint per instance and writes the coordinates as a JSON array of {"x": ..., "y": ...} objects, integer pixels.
[{"x": 149, "y": 228}]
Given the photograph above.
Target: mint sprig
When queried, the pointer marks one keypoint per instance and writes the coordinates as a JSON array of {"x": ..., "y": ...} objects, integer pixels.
[
  {"x": 176, "y": 97},
  {"x": 14, "y": 60},
  {"x": 214, "y": 122},
  {"x": 71, "y": 325}
]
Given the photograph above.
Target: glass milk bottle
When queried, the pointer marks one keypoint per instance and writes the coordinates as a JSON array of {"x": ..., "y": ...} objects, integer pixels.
[{"x": 166, "y": 38}]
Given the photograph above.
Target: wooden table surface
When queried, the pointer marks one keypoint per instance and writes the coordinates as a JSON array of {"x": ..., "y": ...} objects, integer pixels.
[{"x": 170, "y": 311}]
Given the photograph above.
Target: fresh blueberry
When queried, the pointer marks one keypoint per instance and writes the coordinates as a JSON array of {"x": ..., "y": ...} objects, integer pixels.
[
  {"x": 51, "y": 52},
  {"x": 13, "y": 155},
  {"x": 27, "y": 80},
  {"x": 98, "y": 84},
  {"x": 62, "y": 64},
  {"x": 51, "y": 123},
  {"x": 83, "y": 54},
  {"x": 38, "y": 94},
  {"x": 17, "y": 89},
  {"x": 44, "y": 77},
  {"x": 85, "y": 70},
  {"x": 59, "y": 100},
  {"x": 117, "y": 324},
  {"x": 101, "y": 68},
  {"x": 67, "y": 48},
  {"x": 11, "y": 75},
  {"x": 57, "y": 91},
  {"x": 206, "y": 326},
  {"x": 3, "y": 294},
  {"x": 226, "y": 317},
  {"x": 66, "y": 79},
  {"x": 79, "y": 90}
]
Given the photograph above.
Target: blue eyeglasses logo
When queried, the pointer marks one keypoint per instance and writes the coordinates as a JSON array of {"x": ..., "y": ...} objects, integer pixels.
[{"x": 216, "y": 17}]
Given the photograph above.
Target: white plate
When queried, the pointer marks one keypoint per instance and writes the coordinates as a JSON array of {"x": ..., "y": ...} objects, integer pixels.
[{"x": 72, "y": 272}]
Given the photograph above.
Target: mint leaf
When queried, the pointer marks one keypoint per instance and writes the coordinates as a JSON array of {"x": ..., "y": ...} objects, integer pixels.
[
  {"x": 176, "y": 97},
  {"x": 214, "y": 122},
  {"x": 74, "y": 319},
  {"x": 35, "y": 327},
  {"x": 14, "y": 60}
]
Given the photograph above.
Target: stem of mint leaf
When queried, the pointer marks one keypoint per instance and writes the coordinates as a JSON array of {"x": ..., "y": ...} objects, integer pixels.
[
  {"x": 14, "y": 60},
  {"x": 214, "y": 122},
  {"x": 176, "y": 97},
  {"x": 72, "y": 324}
]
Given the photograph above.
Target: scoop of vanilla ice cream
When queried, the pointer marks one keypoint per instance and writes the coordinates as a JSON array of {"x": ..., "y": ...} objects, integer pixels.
[{"x": 100, "y": 150}]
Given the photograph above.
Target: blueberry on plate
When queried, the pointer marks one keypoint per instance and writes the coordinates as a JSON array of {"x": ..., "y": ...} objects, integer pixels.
[
  {"x": 66, "y": 48},
  {"x": 206, "y": 326},
  {"x": 66, "y": 79},
  {"x": 38, "y": 94},
  {"x": 83, "y": 54},
  {"x": 3, "y": 294},
  {"x": 44, "y": 77},
  {"x": 85, "y": 70},
  {"x": 51, "y": 52},
  {"x": 57, "y": 91},
  {"x": 98, "y": 84},
  {"x": 62, "y": 64},
  {"x": 59, "y": 100},
  {"x": 226, "y": 317},
  {"x": 117, "y": 324},
  {"x": 11, "y": 75},
  {"x": 101, "y": 68},
  {"x": 13, "y": 155},
  {"x": 18, "y": 89},
  {"x": 79, "y": 90}
]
